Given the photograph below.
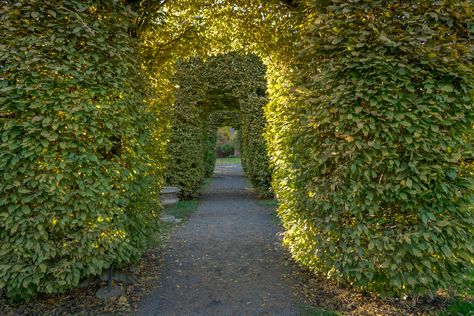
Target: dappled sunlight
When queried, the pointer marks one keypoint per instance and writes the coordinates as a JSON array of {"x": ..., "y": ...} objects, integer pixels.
[{"x": 356, "y": 115}]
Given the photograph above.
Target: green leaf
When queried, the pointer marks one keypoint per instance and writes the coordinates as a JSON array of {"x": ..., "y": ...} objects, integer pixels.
[{"x": 446, "y": 88}]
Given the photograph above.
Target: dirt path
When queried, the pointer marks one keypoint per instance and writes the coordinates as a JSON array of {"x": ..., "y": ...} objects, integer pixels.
[{"x": 226, "y": 260}]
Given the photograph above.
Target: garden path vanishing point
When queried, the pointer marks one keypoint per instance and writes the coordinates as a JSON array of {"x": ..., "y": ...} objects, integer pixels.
[{"x": 227, "y": 260}]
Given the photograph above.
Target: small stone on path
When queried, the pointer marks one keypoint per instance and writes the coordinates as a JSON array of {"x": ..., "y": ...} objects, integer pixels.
[{"x": 126, "y": 278}]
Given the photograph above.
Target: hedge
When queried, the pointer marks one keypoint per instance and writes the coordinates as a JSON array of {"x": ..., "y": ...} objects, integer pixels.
[
  {"x": 79, "y": 179},
  {"x": 253, "y": 147},
  {"x": 224, "y": 89},
  {"x": 215, "y": 120},
  {"x": 371, "y": 142},
  {"x": 185, "y": 167},
  {"x": 369, "y": 132}
]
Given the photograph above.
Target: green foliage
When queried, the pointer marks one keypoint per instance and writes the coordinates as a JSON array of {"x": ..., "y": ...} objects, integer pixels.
[
  {"x": 459, "y": 308},
  {"x": 306, "y": 310},
  {"x": 369, "y": 131},
  {"x": 183, "y": 209},
  {"x": 371, "y": 144},
  {"x": 228, "y": 161},
  {"x": 186, "y": 147},
  {"x": 220, "y": 91},
  {"x": 216, "y": 119},
  {"x": 186, "y": 168},
  {"x": 227, "y": 150},
  {"x": 78, "y": 164},
  {"x": 272, "y": 203},
  {"x": 235, "y": 142},
  {"x": 210, "y": 154},
  {"x": 253, "y": 143}
]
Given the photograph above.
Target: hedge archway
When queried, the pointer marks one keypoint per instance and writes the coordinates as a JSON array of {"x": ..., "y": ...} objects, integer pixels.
[
  {"x": 217, "y": 119},
  {"x": 227, "y": 88},
  {"x": 369, "y": 131}
]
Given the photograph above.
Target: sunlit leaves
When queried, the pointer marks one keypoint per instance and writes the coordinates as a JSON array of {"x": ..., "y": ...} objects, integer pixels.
[
  {"x": 371, "y": 144},
  {"x": 77, "y": 164}
]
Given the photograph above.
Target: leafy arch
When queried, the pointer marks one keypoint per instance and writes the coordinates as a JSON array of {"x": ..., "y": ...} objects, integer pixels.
[
  {"x": 369, "y": 132},
  {"x": 217, "y": 119},
  {"x": 227, "y": 88}
]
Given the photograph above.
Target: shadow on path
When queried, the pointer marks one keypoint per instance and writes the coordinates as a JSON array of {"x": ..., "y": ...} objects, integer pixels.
[{"x": 226, "y": 260}]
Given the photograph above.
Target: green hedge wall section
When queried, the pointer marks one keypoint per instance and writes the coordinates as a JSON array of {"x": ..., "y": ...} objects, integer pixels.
[
  {"x": 77, "y": 185},
  {"x": 373, "y": 144},
  {"x": 210, "y": 152},
  {"x": 224, "y": 89},
  {"x": 253, "y": 145}
]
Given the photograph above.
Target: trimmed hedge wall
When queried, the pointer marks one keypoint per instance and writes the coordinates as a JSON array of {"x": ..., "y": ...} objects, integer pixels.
[
  {"x": 186, "y": 148},
  {"x": 371, "y": 141},
  {"x": 253, "y": 145},
  {"x": 369, "y": 132},
  {"x": 208, "y": 91},
  {"x": 78, "y": 182}
]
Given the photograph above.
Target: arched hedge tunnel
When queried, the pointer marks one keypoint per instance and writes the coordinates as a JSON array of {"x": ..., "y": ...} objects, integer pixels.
[
  {"x": 225, "y": 88},
  {"x": 368, "y": 116}
]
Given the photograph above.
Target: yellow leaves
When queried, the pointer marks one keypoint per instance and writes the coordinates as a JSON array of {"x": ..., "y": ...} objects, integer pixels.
[
  {"x": 112, "y": 235},
  {"x": 347, "y": 138}
]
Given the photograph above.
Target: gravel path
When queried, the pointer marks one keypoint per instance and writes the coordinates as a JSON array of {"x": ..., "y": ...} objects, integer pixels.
[{"x": 226, "y": 260}]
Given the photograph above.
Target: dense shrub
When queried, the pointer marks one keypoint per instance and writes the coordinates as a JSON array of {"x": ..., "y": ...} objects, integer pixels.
[
  {"x": 372, "y": 151},
  {"x": 185, "y": 167},
  {"x": 253, "y": 143},
  {"x": 77, "y": 181},
  {"x": 210, "y": 152}
]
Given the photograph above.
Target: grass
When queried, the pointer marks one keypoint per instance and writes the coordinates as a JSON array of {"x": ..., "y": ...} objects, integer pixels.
[
  {"x": 228, "y": 161},
  {"x": 183, "y": 209},
  {"x": 268, "y": 203},
  {"x": 273, "y": 204},
  {"x": 205, "y": 185}
]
